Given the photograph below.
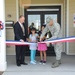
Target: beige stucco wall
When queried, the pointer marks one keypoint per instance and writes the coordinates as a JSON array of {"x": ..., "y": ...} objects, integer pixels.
[
  {"x": 71, "y": 26},
  {"x": 10, "y": 6},
  {"x": 42, "y": 1},
  {"x": 10, "y": 9},
  {"x": 10, "y": 50},
  {"x": 38, "y": 2}
]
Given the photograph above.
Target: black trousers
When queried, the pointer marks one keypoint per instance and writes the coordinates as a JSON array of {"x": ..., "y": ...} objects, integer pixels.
[{"x": 20, "y": 53}]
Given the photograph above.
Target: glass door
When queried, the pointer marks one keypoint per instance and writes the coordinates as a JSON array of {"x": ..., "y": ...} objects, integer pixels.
[{"x": 34, "y": 21}]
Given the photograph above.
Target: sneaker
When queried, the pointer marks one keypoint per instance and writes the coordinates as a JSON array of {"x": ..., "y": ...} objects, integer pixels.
[
  {"x": 32, "y": 62},
  {"x": 41, "y": 62},
  {"x": 44, "y": 62},
  {"x": 35, "y": 61}
]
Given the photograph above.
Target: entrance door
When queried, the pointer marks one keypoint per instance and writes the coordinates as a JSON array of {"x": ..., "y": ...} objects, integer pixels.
[
  {"x": 36, "y": 17},
  {"x": 34, "y": 20}
]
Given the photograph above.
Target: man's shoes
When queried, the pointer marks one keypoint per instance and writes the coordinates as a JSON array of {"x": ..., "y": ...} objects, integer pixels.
[
  {"x": 18, "y": 65},
  {"x": 56, "y": 64},
  {"x": 23, "y": 63}
]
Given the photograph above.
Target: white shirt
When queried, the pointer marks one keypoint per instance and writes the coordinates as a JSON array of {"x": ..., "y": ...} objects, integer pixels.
[{"x": 33, "y": 38}]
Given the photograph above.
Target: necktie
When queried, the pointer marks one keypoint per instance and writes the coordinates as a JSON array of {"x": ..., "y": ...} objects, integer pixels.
[{"x": 23, "y": 29}]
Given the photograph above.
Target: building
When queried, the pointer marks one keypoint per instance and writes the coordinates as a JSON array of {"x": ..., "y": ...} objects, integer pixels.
[{"x": 11, "y": 9}]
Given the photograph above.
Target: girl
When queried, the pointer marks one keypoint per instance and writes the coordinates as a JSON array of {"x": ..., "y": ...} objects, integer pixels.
[
  {"x": 33, "y": 46},
  {"x": 42, "y": 47}
]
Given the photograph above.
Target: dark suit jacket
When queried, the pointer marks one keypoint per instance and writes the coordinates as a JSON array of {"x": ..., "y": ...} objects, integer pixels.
[{"x": 18, "y": 32}]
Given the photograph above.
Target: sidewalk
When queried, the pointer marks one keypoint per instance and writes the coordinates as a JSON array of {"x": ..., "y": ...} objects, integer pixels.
[{"x": 66, "y": 68}]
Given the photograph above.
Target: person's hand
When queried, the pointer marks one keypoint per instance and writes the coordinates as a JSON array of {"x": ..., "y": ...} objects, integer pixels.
[
  {"x": 41, "y": 39},
  {"x": 22, "y": 40},
  {"x": 52, "y": 43},
  {"x": 36, "y": 41},
  {"x": 30, "y": 40},
  {"x": 27, "y": 39},
  {"x": 47, "y": 43}
]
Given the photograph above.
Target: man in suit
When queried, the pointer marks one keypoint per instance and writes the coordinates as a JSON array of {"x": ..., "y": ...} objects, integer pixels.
[{"x": 19, "y": 32}]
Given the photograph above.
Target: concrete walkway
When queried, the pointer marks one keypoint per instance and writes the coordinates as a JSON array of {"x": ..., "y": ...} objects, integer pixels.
[{"x": 66, "y": 68}]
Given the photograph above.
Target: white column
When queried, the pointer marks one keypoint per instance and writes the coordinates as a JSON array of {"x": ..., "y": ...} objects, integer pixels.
[
  {"x": 67, "y": 27},
  {"x": 2, "y": 38}
]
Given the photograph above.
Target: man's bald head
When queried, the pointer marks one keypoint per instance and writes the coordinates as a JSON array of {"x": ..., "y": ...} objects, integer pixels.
[{"x": 21, "y": 19}]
